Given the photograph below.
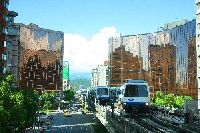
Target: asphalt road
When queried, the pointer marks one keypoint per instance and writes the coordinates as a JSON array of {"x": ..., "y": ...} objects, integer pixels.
[{"x": 77, "y": 123}]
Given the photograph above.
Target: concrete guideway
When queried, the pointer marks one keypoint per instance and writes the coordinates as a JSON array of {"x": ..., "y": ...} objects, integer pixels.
[
  {"x": 101, "y": 116},
  {"x": 149, "y": 122},
  {"x": 105, "y": 123}
]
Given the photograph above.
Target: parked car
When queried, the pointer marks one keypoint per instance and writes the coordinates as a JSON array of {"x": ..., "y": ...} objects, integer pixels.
[
  {"x": 50, "y": 117},
  {"x": 67, "y": 113}
]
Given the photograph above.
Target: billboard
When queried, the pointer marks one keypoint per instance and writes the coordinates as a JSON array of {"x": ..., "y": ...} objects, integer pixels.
[{"x": 66, "y": 73}]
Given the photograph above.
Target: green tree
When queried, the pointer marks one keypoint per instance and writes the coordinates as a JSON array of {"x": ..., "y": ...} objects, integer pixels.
[
  {"x": 179, "y": 101},
  {"x": 48, "y": 100},
  {"x": 160, "y": 98},
  {"x": 31, "y": 104},
  {"x": 169, "y": 100},
  {"x": 68, "y": 94},
  {"x": 17, "y": 107}
]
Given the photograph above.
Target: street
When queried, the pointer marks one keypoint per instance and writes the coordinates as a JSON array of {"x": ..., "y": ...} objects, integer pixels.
[{"x": 77, "y": 123}]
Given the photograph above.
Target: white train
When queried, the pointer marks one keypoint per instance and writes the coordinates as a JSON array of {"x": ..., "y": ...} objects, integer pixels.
[
  {"x": 102, "y": 95},
  {"x": 114, "y": 92},
  {"x": 135, "y": 96}
]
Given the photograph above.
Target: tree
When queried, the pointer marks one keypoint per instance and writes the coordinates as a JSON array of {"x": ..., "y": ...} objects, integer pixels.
[
  {"x": 169, "y": 100},
  {"x": 17, "y": 107},
  {"x": 68, "y": 94},
  {"x": 160, "y": 98},
  {"x": 179, "y": 101},
  {"x": 48, "y": 100}
]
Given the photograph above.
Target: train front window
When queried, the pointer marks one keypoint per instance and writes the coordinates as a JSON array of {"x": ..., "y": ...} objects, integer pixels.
[
  {"x": 102, "y": 91},
  {"x": 136, "y": 91},
  {"x": 118, "y": 92},
  {"x": 131, "y": 91},
  {"x": 142, "y": 91}
]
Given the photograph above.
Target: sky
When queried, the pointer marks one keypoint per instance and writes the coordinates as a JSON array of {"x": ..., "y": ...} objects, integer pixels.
[{"x": 87, "y": 24}]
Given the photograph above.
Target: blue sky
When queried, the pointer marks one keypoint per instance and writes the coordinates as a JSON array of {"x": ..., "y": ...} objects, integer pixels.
[
  {"x": 86, "y": 17},
  {"x": 88, "y": 24}
]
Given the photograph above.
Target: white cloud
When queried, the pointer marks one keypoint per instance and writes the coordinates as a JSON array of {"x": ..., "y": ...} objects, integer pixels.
[{"x": 83, "y": 54}]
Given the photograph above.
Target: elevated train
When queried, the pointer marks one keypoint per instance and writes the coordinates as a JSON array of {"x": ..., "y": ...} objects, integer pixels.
[
  {"x": 114, "y": 92},
  {"x": 135, "y": 96},
  {"x": 102, "y": 95}
]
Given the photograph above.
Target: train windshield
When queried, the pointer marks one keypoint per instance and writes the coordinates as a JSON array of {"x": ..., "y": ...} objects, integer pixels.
[
  {"x": 136, "y": 91},
  {"x": 102, "y": 91}
]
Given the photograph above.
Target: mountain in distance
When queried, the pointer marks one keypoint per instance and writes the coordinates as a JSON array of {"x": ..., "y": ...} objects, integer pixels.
[
  {"x": 80, "y": 79},
  {"x": 80, "y": 84},
  {"x": 79, "y": 75}
]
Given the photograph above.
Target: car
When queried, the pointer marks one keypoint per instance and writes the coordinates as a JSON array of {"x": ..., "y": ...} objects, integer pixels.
[
  {"x": 75, "y": 108},
  {"x": 42, "y": 113},
  {"x": 67, "y": 114},
  {"x": 50, "y": 117},
  {"x": 44, "y": 128}
]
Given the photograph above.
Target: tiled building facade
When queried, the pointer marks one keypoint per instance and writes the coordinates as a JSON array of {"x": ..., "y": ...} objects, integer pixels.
[
  {"x": 40, "y": 58},
  {"x": 3, "y": 31},
  {"x": 166, "y": 59},
  {"x": 162, "y": 67}
]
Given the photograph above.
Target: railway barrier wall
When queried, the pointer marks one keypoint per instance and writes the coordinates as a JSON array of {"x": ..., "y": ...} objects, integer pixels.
[{"x": 118, "y": 122}]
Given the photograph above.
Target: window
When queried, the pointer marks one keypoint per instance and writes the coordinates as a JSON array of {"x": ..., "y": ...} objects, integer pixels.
[
  {"x": 5, "y": 4},
  {"x": 4, "y": 44},
  {"x": 5, "y": 17},
  {"x": 3, "y": 56},
  {"x": 102, "y": 91},
  {"x": 136, "y": 91},
  {"x": 131, "y": 91},
  {"x": 4, "y": 30}
]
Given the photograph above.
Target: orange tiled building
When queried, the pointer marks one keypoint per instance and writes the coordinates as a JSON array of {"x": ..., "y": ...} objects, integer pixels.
[
  {"x": 40, "y": 58},
  {"x": 165, "y": 59}
]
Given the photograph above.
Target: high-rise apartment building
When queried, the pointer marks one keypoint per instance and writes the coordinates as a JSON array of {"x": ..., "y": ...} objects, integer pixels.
[
  {"x": 12, "y": 45},
  {"x": 174, "y": 24},
  {"x": 38, "y": 55},
  {"x": 129, "y": 56},
  {"x": 100, "y": 75},
  {"x": 198, "y": 47},
  {"x": 166, "y": 59},
  {"x": 3, "y": 31},
  {"x": 94, "y": 78}
]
